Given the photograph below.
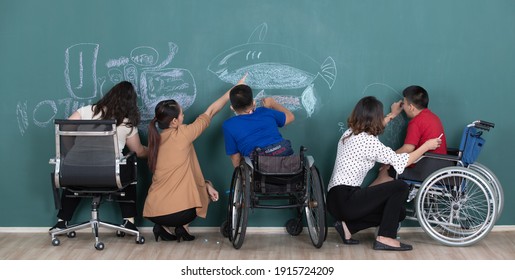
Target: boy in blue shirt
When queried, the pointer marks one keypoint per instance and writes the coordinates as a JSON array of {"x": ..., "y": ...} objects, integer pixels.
[{"x": 255, "y": 127}]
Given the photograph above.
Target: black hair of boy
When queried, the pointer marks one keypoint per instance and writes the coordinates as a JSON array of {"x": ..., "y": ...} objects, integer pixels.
[
  {"x": 241, "y": 97},
  {"x": 417, "y": 96}
]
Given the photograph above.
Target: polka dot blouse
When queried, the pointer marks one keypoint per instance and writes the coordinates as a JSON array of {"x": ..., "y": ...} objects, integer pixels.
[{"x": 358, "y": 154}]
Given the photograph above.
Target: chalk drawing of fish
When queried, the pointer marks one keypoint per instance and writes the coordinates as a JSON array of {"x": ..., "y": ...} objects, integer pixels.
[{"x": 274, "y": 66}]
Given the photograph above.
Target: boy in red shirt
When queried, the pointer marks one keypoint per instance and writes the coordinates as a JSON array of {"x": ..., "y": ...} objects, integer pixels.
[{"x": 424, "y": 125}]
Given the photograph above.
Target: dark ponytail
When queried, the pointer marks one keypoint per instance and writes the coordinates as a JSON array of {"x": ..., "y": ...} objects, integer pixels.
[{"x": 165, "y": 112}]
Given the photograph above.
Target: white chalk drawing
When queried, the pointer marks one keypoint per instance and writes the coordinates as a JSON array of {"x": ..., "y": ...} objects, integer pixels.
[
  {"x": 83, "y": 59},
  {"x": 342, "y": 127},
  {"x": 393, "y": 135},
  {"x": 154, "y": 80},
  {"x": 275, "y": 67}
]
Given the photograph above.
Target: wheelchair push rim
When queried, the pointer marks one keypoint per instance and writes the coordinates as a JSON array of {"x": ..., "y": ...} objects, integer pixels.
[
  {"x": 315, "y": 207},
  {"x": 497, "y": 189},
  {"x": 455, "y": 206},
  {"x": 238, "y": 207}
]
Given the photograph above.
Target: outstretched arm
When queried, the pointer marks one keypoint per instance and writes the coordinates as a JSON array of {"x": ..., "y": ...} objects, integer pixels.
[
  {"x": 269, "y": 102},
  {"x": 214, "y": 108}
]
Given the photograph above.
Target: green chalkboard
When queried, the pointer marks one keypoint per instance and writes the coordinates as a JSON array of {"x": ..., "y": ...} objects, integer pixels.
[{"x": 318, "y": 58}]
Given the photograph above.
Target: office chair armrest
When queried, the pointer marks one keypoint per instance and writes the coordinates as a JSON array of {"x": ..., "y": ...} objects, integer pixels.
[{"x": 123, "y": 160}]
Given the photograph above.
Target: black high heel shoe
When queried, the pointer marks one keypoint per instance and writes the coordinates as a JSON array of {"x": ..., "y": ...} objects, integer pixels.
[
  {"x": 339, "y": 228},
  {"x": 159, "y": 231},
  {"x": 182, "y": 233}
]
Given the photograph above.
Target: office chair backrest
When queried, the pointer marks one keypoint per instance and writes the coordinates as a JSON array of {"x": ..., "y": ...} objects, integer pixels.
[{"x": 87, "y": 154}]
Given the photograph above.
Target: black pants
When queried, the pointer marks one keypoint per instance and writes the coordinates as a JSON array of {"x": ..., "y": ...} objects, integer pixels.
[
  {"x": 127, "y": 204},
  {"x": 175, "y": 219},
  {"x": 361, "y": 208}
]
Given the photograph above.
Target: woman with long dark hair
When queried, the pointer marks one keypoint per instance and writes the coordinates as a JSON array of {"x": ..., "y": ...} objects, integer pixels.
[
  {"x": 382, "y": 205},
  {"x": 120, "y": 104},
  {"x": 178, "y": 193}
]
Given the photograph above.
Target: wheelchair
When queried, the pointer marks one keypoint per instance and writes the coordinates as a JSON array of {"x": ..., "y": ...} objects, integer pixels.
[
  {"x": 459, "y": 203},
  {"x": 277, "y": 182}
]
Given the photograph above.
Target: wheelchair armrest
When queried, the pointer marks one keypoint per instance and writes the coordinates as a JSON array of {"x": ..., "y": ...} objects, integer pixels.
[
  {"x": 453, "y": 151},
  {"x": 310, "y": 161},
  {"x": 426, "y": 165},
  {"x": 248, "y": 161},
  {"x": 439, "y": 156}
]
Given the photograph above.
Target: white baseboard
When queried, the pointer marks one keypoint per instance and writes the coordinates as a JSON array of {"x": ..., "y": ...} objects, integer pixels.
[{"x": 268, "y": 230}]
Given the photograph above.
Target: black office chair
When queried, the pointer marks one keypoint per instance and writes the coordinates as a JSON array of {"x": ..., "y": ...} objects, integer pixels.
[{"x": 88, "y": 163}]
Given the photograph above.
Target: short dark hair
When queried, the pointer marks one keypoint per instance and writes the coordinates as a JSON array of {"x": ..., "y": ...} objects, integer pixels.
[
  {"x": 367, "y": 116},
  {"x": 241, "y": 97},
  {"x": 417, "y": 96}
]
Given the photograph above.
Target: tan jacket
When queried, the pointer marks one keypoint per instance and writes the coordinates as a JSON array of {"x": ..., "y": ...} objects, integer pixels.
[{"x": 178, "y": 183}]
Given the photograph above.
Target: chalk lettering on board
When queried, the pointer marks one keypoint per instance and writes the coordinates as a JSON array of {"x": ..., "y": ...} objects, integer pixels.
[
  {"x": 117, "y": 62},
  {"x": 81, "y": 58},
  {"x": 21, "y": 114},
  {"x": 144, "y": 56},
  {"x": 274, "y": 67},
  {"x": 44, "y": 112},
  {"x": 342, "y": 127},
  {"x": 154, "y": 81}
]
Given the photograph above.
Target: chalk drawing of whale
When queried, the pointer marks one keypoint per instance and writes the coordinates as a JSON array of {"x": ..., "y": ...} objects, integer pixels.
[{"x": 274, "y": 66}]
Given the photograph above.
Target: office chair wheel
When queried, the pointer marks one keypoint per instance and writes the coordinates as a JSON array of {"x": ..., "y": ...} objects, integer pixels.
[
  {"x": 99, "y": 246},
  {"x": 71, "y": 234},
  {"x": 56, "y": 242},
  {"x": 120, "y": 233},
  {"x": 140, "y": 240},
  {"x": 294, "y": 226},
  {"x": 224, "y": 229}
]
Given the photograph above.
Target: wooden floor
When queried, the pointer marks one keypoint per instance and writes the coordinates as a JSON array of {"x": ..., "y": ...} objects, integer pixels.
[{"x": 260, "y": 244}]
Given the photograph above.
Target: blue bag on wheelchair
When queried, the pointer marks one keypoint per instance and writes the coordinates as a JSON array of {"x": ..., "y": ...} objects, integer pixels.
[{"x": 472, "y": 145}]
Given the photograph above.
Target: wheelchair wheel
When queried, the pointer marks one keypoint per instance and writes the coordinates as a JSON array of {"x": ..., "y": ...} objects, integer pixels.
[
  {"x": 455, "y": 206},
  {"x": 239, "y": 199},
  {"x": 494, "y": 182},
  {"x": 315, "y": 207}
]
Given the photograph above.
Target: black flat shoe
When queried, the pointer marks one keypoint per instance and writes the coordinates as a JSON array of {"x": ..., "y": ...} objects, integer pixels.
[
  {"x": 59, "y": 225},
  {"x": 339, "y": 228},
  {"x": 128, "y": 225},
  {"x": 160, "y": 232},
  {"x": 182, "y": 233},
  {"x": 381, "y": 246}
]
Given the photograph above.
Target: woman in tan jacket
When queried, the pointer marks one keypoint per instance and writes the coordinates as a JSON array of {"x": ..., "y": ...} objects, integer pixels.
[{"x": 178, "y": 193}]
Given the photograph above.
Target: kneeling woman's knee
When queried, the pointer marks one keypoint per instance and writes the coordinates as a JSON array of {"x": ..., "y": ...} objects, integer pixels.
[{"x": 401, "y": 186}]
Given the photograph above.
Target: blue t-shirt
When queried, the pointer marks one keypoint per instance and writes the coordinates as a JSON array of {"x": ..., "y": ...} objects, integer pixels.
[{"x": 243, "y": 133}]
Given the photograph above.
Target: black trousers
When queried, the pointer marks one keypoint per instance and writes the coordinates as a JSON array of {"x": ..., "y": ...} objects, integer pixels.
[
  {"x": 175, "y": 219},
  {"x": 382, "y": 205},
  {"x": 127, "y": 204}
]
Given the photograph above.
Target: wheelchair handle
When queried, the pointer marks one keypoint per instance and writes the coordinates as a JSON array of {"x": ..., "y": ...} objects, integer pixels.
[{"x": 483, "y": 125}]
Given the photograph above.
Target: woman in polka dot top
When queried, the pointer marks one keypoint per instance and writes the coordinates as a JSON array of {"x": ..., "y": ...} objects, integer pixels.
[{"x": 359, "y": 148}]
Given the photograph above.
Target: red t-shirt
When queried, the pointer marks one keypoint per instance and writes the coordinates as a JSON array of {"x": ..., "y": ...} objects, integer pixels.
[{"x": 426, "y": 125}]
